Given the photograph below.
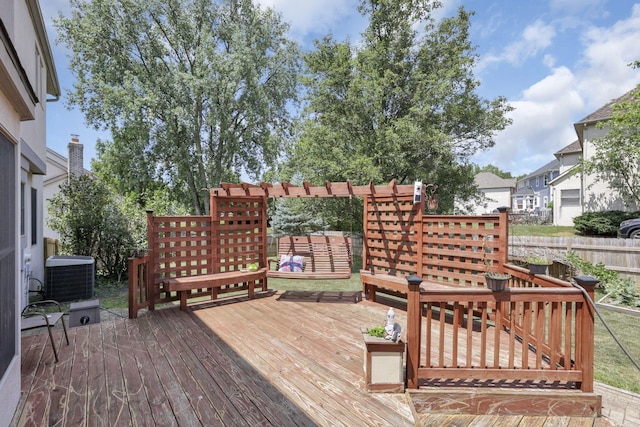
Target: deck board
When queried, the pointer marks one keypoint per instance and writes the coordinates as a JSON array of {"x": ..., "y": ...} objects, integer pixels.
[{"x": 291, "y": 358}]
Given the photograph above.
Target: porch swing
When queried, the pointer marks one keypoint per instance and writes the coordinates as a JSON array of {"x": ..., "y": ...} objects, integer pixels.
[{"x": 314, "y": 257}]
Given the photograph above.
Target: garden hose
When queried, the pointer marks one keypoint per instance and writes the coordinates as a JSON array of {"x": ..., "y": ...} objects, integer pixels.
[{"x": 593, "y": 305}]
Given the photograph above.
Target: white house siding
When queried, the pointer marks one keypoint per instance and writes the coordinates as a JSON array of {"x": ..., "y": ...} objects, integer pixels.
[
  {"x": 498, "y": 197},
  {"x": 597, "y": 195},
  {"x": 56, "y": 176}
]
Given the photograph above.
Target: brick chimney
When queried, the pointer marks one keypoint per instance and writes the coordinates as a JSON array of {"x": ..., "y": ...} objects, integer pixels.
[{"x": 75, "y": 162}]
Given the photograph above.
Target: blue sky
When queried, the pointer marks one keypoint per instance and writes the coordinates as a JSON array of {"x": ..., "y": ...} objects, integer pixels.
[{"x": 556, "y": 61}]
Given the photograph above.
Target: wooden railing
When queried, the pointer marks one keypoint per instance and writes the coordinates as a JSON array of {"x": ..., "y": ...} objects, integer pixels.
[
  {"x": 539, "y": 329},
  {"x": 139, "y": 293}
]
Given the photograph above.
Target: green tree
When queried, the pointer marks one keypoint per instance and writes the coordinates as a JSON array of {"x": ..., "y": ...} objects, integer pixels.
[
  {"x": 617, "y": 154},
  {"x": 93, "y": 222},
  {"x": 194, "y": 92},
  {"x": 493, "y": 169},
  {"x": 399, "y": 105},
  {"x": 293, "y": 217}
]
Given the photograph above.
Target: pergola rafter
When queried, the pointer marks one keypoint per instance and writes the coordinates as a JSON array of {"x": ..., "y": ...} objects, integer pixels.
[{"x": 330, "y": 189}]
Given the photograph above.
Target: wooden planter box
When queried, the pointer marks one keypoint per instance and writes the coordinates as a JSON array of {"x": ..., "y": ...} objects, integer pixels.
[{"x": 383, "y": 364}]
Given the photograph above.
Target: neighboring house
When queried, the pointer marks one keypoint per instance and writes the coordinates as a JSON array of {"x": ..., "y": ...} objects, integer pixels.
[
  {"x": 496, "y": 192},
  {"x": 28, "y": 80},
  {"x": 58, "y": 170},
  {"x": 565, "y": 189},
  {"x": 596, "y": 195},
  {"x": 533, "y": 192},
  {"x": 574, "y": 191}
]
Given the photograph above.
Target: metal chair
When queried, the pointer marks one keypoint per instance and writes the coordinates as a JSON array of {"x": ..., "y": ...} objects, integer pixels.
[{"x": 40, "y": 315}]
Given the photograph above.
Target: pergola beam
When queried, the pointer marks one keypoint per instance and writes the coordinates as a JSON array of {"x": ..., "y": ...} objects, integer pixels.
[{"x": 330, "y": 189}]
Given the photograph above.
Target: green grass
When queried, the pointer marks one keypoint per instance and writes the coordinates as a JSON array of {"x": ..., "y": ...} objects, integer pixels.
[
  {"x": 612, "y": 366},
  {"x": 541, "y": 230}
]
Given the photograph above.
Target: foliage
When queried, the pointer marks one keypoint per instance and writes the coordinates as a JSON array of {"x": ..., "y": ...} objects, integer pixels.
[
  {"x": 601, "y": 223},
  {"x": 493, "y": 169},
  {"x": 293, "y": 218},
  {"x": 399, "y": 105},
  {"x": 93, "y": 222},
  {"x": 377, "y": 331},
  {"x": 617, "y": 152},
  {"x": 194, "y": 92},
  {"x": 76, "y": 213},
  {"x": 622, "y": 289},
  {"x": 538, "y": 260}
]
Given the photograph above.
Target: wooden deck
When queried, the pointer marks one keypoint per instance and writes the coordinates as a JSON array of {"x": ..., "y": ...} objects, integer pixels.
[{"x": 283, "y": 359}]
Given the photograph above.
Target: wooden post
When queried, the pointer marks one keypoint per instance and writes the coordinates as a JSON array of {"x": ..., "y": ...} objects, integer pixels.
[
  {"x": 503, "y": 232},
  {"x": 133, "y": 289},
  {"x": 587, "y": 334},
  {"x": 419, "y": 233},
  {"x": 150, "y": 284},
  {"x": 265, "y": 243},
  {"x": 414, "y": 324}
]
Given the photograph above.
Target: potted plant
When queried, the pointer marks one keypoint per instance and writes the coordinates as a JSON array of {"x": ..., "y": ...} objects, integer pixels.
[
  {"x": 494, "y": 280},
  {"x": 383, "y": 360},
  {"x": 538, "y": 264}
]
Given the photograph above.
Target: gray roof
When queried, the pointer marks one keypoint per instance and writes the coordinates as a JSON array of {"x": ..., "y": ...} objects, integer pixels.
[
  {"x": 553, "y": 165},
  {"x": 485, "y": 180},
  {"x": 574, "y": 147},
  {"x": 526, "y": 191},
  {"x": 602, "y": 113}
]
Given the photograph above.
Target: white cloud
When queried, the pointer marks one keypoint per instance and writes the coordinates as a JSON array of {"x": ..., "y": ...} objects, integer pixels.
[
  {"x": 604, "y": 72},
  {"x": 544, "y": 115},
  {"x": 534, "y": 38},
  {"x": 542, "y": 124}
]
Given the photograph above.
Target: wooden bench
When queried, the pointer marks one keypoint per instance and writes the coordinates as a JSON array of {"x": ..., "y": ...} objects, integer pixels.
[
  {"x": 387, "y": 283},
  {"x": 183, "y": 285},
  {"x": 325, "y": 257}
]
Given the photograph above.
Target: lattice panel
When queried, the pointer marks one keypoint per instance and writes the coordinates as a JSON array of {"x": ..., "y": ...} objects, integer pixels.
[
  {"x": 240, "y": 230},
  {"x": 458, "y": 250},
  {"x": 392, "y": 227},
  {"x": 181, "y": 246}
]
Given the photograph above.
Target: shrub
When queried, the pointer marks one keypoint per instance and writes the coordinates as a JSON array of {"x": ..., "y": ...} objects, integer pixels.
[
  {"x": 93, "y": 222},
  {"x": 601, "y": 223},
  {"x": 622, "y": 289}
]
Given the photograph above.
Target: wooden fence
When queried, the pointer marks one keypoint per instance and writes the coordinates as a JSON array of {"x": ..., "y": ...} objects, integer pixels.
[{"x": 620, "y": 255}]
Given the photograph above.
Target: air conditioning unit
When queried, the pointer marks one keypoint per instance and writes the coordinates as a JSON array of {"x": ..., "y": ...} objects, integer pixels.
[{"x": 69, "y": 278}]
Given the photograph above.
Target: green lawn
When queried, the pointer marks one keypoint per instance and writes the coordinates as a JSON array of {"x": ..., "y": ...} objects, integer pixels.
[
  {"x": 612, "y": 366},
  {"x": 541, "y": 230}
]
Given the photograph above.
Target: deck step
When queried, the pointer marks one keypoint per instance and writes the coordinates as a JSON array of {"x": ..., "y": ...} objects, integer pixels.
[{"x": 482, "y": 401}]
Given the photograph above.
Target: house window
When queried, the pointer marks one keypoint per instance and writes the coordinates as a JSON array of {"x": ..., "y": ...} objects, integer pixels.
[
  {"x": 570, "y": 197},
  {"x": 34, "y": 216},
  {"x": 546, "y": 180},
  {"x": 537, "y": 181},
  {"x": 546, "y": 202}
]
